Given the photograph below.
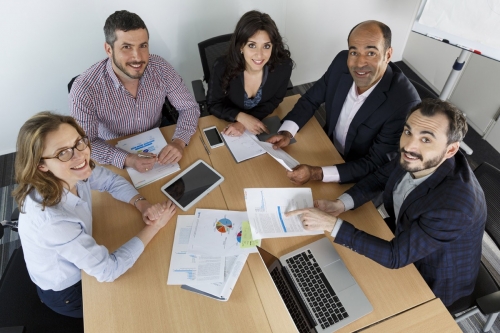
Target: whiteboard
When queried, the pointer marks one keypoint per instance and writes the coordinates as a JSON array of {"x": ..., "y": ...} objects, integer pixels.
[{"x": 474, "y": 24}]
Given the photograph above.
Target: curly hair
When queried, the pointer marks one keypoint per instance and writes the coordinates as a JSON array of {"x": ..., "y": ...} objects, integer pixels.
[
  {"x": 30, "y": 146},
  {"x": 121, "y": 20},
  {"x": 247, "y": 26}
]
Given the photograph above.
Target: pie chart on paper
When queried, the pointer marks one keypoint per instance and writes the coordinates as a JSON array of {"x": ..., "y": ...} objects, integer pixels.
[{"x": 223, "y": 225}]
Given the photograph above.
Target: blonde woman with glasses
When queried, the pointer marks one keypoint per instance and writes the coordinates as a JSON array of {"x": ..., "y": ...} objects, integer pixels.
[{"x": 55, "y": 176}]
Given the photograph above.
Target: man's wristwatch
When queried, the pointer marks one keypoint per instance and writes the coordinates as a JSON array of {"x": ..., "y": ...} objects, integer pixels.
[{"x": 286, "y": 133}]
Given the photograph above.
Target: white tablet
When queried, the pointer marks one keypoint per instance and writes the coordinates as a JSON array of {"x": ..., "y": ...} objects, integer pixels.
[{"x": 192, "y": 184}]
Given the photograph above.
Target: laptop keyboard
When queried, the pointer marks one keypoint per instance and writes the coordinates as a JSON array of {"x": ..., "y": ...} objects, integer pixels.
[
  {"x": 318, "y": 292},
  {"x": 290, "y": 302}
]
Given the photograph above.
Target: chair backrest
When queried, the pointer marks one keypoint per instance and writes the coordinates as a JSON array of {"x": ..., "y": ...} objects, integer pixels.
[
  {"x": 70, "y": 83},
  {"x": 489, "y": 178},
  {"x": 21, "y": 306},
  {"x": 210, "y": 50},
  {"x": 422, "y": 91}
]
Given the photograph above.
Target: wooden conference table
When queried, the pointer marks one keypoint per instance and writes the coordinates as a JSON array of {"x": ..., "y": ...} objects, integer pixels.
[{"x": 141, "y": 301}]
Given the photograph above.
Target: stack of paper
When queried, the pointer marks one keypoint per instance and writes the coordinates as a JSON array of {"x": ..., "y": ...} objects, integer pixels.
[
  {"x": 248, "y": 146},
  {"x": 266, "y": 209},
  {"x": 209, "y": 251},
  {"x": 151, "y": 141}
]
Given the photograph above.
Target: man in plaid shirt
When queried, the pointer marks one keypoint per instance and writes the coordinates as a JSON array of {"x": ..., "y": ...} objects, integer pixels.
[{"x": 124, "y": 95}]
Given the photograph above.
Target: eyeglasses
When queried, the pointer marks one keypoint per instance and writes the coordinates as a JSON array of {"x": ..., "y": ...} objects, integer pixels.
[{"x": 67, "y": 154}]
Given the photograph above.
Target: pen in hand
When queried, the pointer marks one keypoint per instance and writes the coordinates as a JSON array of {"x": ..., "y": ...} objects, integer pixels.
[{"x": 146, "y": 156}]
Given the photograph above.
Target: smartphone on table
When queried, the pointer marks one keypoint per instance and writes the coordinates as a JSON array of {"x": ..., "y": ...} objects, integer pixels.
[{"x": 213, "y": 137}]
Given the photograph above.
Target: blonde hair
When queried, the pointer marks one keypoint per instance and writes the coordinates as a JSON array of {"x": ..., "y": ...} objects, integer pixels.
[{"x": 30, "y": 146}]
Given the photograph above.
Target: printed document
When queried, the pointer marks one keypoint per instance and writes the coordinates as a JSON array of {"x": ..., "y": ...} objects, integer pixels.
[
  {"x": 218, "y": 233},
  {"x": 151, "y": 141},
  {"x": 279, "y": 155},
  {"x": 243, "y": 147},
  {"x": 222, "y": 290},
  {"x": 188, "y": 268},
  {"x": 266, "y": 208}
]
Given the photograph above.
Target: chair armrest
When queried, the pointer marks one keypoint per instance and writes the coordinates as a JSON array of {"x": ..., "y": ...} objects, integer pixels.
[
  {"x": 199, "y": 91},
  {"x": 490, "y": 303}
]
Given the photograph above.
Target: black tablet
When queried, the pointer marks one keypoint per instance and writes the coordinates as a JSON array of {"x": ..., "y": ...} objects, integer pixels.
[{"x": 191, "y": 185}]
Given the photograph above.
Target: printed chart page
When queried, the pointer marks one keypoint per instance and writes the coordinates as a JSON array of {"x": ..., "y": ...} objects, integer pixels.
[
  {"x": 151, "y": 141},
  {"x": 266, "y": 208},
  {"x": 187, "y": 268},
  {"x": 218, "y": 233}
]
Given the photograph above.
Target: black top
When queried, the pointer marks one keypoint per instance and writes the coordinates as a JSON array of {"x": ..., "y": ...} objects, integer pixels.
[{"x": 227, "y": 106}]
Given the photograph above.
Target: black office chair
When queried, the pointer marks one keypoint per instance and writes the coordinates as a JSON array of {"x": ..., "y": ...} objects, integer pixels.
[
  {"x": 169, "y": 113},
  {"x": 20, "y": 307},
  {"x": 423, "y": 91},
  {"x": 486, "y": 295},
  {"x": 210, "y": 50}
]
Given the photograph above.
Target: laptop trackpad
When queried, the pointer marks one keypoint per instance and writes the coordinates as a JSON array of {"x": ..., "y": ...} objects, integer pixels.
[{"x": 339, "y": 276}]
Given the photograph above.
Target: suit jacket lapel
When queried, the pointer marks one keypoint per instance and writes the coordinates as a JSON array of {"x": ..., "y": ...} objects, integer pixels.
[
  {"x": 371, "y": 104},
  {"x": 394, "y": 179},
  {"x": 345, "y": 84},
  {"x": 434, "y": 180}
]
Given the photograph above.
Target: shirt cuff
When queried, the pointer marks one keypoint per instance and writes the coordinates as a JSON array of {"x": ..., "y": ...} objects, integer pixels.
[
  {"x": 337, "y": 227},
  {"x": 330, "y": 174},
  {"x": 347, "y": 200},
  {"x": 289, "y": 126},
  {"x": 119, "y": 159}
]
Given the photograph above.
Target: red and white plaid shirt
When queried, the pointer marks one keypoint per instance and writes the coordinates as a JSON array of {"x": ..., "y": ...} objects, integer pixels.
[{"x": 106, "y": 110}]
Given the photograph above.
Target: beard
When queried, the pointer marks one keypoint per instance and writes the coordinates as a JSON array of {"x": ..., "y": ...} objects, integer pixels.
[
  {"x": 124, "y": 70},
  {"x": 429, "y": 164}
]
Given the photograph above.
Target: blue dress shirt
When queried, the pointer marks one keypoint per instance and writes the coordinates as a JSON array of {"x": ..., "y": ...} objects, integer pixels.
[{"x": 58, "y": 241}]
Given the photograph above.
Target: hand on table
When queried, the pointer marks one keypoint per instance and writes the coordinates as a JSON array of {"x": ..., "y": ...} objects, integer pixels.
[
  {"x": 314, "y": 219},
  {"x": 234, "y": 129},
  {"x": 252, "y": 124},
  {"x": 141, "y": 164},
  {"x": 302, "y": 173},
  {"x": 172, "y": 153}
]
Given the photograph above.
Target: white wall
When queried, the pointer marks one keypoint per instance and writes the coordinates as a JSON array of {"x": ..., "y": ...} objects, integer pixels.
[{"x": 46, "y": 43}]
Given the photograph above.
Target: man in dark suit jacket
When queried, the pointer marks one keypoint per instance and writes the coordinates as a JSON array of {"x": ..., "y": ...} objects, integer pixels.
[
  {"x": 366, "y": 99},
  {"x": 436, "y": 206}
]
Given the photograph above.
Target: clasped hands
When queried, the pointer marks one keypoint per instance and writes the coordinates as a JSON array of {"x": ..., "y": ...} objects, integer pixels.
[
  {"x": 171, "y": 153},
  {"x": 323, "y": 216},
  {"x": 158, "y": 214}
]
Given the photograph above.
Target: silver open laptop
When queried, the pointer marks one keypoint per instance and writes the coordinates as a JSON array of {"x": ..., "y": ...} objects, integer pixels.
[{"x": 318, "y": 290}]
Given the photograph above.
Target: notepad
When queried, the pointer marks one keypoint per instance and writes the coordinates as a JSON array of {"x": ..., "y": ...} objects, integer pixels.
[{"x": 151, "y": 141}]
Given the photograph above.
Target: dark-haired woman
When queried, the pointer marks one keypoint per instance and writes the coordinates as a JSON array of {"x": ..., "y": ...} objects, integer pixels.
[
  {"x": 250, "y": 81},
  {"x": 55, "y": 176}
]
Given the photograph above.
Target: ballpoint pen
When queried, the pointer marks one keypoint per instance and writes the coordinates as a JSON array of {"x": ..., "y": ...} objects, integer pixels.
[
  {"x": 145, "y": 156},
  {"x": 204, "y": 145}
]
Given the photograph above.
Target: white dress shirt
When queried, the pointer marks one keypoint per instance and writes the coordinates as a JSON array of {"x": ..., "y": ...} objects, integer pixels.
[
  {"x": 58, "y": 243},
  {"x": 352, "y": 104}
]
